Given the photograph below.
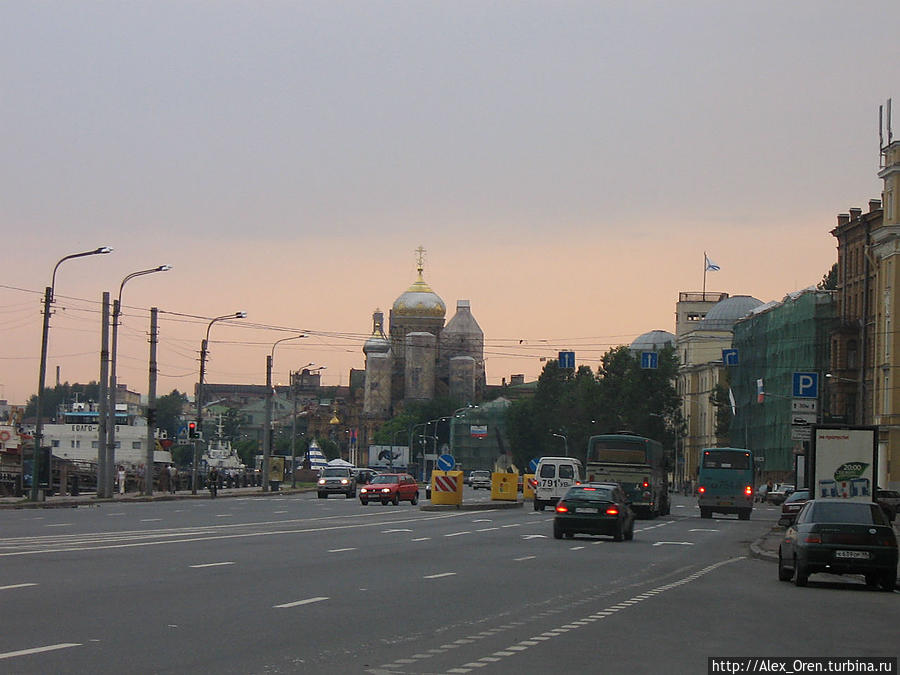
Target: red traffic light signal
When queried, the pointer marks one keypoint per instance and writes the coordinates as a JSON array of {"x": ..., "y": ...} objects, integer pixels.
[{"x": 192, "y": 430}]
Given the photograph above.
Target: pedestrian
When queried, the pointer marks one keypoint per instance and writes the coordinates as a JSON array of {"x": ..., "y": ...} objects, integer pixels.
[
  {"x": 121, "y": 477},
  {"x": 173, "y": 478},
  {"x": 213, "y": 481}
]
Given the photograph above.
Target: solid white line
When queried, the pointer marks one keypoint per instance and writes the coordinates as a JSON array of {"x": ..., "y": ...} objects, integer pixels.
[
  {"x": 6, "y": 588},
  {"x": 456, "y": 534},
  {"x": 527, "y": 557},
  {"x": 308, "y": 601},
  {"x": 677, "y": 543},
  {"x": 340, "y": 550},
  {"x": 438, "y": 576},
  {"x": 212, "y": 564},
  {"x": 38, "y": 650}
]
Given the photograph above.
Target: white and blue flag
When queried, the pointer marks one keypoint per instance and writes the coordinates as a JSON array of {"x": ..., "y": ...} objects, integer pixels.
[{"x": 710, "y": 265}]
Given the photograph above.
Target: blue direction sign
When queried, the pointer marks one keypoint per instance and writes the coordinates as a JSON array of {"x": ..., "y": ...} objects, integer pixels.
[
  {"x": 532, "y": 465},
  {"x": 730, "y": 357},
  {"x": 806, "y": 385},
  {"x": 446, "y": 462},
  {"x": 650, "y": 360},
  {"x": 567, "y": 360}
]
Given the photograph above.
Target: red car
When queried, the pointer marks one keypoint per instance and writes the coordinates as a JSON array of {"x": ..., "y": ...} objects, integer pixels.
[
  {"x": 792, "y": 505},
  {"x": 390, "y": 487}
]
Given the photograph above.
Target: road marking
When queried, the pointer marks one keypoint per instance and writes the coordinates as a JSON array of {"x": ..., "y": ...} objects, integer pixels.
[
  {"x": 421, "y": 539},
  {"x": 513, "y": 525},
  {"x": 702, "y": 529},
  {"x": 7, "y": 588},
  {"x": 527, "y": 557},
  {"x": 676, "y": 543},
  {"x": 575, "y": 548},
  {"x": 38, "y": 650},
  {"x": 679, "y": 506},
  {"x": 279, "y": 511},
  {"x": 438, "y": 576},
  {"x": 482, "y": 520},
  {"x": 218, "y": 564},
  {"x": 534, "y": 536},
  {"x": 115, "y": 514},
  {"x": 224, "y": 515},
  {"x": 308, "y": 601},
  {"x": 340, "y": 550},
  {"x": 456, "y": 534},
  {"x": 59, "y": 525},
  {"x": 150, "y": 520},
  {"x": 399, "y": 529}
]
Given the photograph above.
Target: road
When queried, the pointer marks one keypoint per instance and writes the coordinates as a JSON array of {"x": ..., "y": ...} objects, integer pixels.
[{"x": 291, "y": 583}]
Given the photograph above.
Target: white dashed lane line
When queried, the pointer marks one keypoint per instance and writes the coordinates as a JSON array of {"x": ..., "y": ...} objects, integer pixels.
[
  {"x": 215, "y": 564},
  {"x": 39, "y": 650},
  {"x": 308, "y": 601},
  {"x": 12, "y": 586},
  {"x": 438, "y": 576}
]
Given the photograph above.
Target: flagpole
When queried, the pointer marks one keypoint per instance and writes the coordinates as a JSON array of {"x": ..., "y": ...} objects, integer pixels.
[{"x": 704, "y": 276}]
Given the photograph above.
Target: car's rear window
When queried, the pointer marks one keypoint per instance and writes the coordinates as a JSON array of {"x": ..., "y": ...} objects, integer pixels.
[
  {"x": 847, "y": 512},
  {"x": 594, "y": 494},
  {"x": 798, "y": 496},
  {"x": 385, "y": 479},
  {"x": 481, "y": 474}
]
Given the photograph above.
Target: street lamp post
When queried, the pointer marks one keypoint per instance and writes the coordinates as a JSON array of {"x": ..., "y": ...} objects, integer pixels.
[
  {"x": 293, "y": 376},
  {"x": 110, "y": 457},
  {"x": 565, "y": 440},
  {"x": 267, "y": 431},
  {"x": 45, "y": 335},
  {"x": 199, "y": 427}
]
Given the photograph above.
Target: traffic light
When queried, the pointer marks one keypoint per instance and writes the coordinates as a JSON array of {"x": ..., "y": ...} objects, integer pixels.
[{"x": 192, "y": 430}]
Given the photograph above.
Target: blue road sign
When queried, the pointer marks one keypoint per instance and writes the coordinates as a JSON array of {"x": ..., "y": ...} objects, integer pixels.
[
  {"x": 567, "y": 360},
  {"x": 446, "y": 462},
  {"x": 806, "y": 385},
  {"x": 730, "y": 357},
  {"x": 532, "y": 465},
  {"x": 650, "y": 360}
]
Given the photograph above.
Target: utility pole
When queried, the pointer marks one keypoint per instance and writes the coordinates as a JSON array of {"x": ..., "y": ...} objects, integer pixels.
[
  {"x": 151, "y": 404},
  {"x": 104, "y": 473},
  {"x": 267, "y": 430}
]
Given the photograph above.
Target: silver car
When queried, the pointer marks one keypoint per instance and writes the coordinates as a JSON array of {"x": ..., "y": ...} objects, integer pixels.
[{"x": 336, "y": 479}]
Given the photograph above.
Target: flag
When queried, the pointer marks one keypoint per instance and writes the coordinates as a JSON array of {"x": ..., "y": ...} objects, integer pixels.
[
  {"x": 710, "y": 265},
  {"x": 731, "y": 400},
  {"x": 760, "y": 394}
]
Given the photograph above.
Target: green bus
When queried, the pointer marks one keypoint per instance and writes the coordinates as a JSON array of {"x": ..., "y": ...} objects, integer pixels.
[
  {"x": 638, "y": 464},
  {"x": 725, "y": 482}
]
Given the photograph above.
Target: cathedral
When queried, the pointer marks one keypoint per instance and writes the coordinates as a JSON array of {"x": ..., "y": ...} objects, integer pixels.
[{"x": 420, "y": 357}]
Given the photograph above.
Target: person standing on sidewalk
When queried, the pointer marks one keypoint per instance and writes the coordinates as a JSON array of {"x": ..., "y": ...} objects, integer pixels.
[
  {"x": 213, "y": 481},
  {"x": 173, "y": 478}
]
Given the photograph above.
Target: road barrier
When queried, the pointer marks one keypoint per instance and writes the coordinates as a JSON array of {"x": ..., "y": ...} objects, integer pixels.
[
  {"x": 527, "y": 489},
  {"x": 504, "y": 487},
  {"x": 446, "y": 487}
]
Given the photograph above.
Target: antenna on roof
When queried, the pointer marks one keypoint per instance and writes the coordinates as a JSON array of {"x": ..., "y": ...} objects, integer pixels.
[
  {"x": 880, "y": 128},
  {"x": 889, "y": 131}
]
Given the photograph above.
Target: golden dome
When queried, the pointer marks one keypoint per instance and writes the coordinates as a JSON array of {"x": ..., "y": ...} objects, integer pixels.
[{"x": 419, "y": 300}]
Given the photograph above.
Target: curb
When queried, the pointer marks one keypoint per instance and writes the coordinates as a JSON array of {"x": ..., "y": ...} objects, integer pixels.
[
  {"x": 757, "y": 550},
  {"x": 478, "y": 506}
]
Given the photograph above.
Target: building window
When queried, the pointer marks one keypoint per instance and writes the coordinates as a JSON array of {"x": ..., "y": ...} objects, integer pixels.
[
  {"x": 54, "y": 443},
  {"x": 852, "y": 354},
  {"x": 135, "y": 445},
  {"x": 94, "y": 444},
  {"x": 886, "y": 395}
]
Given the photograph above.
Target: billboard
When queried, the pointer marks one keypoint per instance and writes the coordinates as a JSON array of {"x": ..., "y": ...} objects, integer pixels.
[
  {"x": 843, "y": 462},
  {"x": 388, "y": 456}
]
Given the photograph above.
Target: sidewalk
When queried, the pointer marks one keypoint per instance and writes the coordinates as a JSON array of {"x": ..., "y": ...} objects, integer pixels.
[{"x": 90, "y": 499}]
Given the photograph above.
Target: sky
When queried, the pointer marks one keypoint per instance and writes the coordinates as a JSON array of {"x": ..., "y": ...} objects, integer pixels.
[{"x": 564, "y": 164}]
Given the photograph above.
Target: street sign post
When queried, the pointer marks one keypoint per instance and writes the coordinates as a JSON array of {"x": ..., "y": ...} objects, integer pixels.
[
  {"x": 730, "y": 357},
  {"x": 806, "y": 385},
  {"x": 567, "y": 360},
  {"x": 446, "y": 462},
  {"x": 649, "y": 360}
]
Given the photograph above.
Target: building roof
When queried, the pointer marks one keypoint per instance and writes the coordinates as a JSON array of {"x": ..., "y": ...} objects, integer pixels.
[
  {"x": 724, "y": 314},
  {"x": 652, "y": 341}
]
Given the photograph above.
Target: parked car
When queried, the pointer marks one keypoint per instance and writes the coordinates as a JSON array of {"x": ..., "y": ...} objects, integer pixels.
[
  {"x": 390, "y": 487},
  {"x": 889, "y": 500},
  {"x": 792, "y": 505},
  {"x": 480, "y": 479},
  {"x": 336, "y": 479},
  {"x": 839, "y": 536},
  {"x": 779, "y": 493},
  {"x": 364, "y": 476},
  {"x": 594, "y": 508}
]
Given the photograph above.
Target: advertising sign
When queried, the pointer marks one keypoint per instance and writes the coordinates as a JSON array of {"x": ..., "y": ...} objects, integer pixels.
[
  {"x": 843, "y": 462},
  {"x": 384, "y": 457},
  {"x": 478, "y": 430}
]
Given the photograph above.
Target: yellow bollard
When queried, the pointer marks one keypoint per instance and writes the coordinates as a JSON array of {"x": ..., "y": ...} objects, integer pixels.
[
  {"x": 527, "y": 489},
  {"x": 504, "y": 487},
  {"x": 446, "y": 487}
]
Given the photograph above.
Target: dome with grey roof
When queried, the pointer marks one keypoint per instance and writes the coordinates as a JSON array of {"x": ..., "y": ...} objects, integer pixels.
[
  {"x": 652, "y": 341},
  {"x": 725, "y": 313}
]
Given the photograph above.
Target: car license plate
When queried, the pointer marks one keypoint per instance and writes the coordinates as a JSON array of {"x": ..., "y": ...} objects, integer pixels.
[
  {"x": 585, "y": 509},
  {"x": 864, "y": 555}
]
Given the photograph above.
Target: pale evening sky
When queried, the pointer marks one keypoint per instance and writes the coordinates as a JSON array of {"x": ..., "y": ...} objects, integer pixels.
[{"x": 565, "y": 164}]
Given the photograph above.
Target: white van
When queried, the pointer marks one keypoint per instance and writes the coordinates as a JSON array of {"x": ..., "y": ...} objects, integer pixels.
[{"x": 553, "y": 476}]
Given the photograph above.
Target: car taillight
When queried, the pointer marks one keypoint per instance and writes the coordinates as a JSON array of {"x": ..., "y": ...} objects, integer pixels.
[
  {"x": 701, "y": 489},
  {"x": 813, "y": 539},
  {"x": 562, "y": 508},
  {"x": 748, "y": 490},
  {"x": 612, "y": 511},
  {"x": 645, "y": 484}
]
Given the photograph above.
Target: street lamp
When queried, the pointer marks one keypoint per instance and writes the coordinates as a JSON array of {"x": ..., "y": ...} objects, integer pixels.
[
  {"x": 109, "y": 459},
  {"x": 267, "y": 431},
  {"x": 45, "y": 334},
  {"x": 199, "y": 427},
  {"x": 565, "y": 440}
]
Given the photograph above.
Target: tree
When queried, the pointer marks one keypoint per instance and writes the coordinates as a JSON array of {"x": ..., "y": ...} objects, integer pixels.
[
  {"x": 62, "y": 395},
  {"x": 169, "y": 411},
  {"x": 829, "y": 281},
  {"x": 720, "y": 399}
]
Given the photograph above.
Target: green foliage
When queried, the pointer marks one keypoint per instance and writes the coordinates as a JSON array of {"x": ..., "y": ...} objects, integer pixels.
[
  {"x": 247, "y": 451},
  {"x": 399, "y": 427},
  {"x": 722, "y": 403},
  {"x": 329, "y": 448},
  {"x": 169, "y": 411},
  {"x": 231, "y": 424},
  {"x": 62, "y": 395},
  {"x": 619, "y": 396}
]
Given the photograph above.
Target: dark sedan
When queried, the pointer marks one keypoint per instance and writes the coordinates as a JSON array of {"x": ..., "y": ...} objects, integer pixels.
[
  {"x": 792, "y": 506},
  {"x": 594, "y": 508},
  {"x": 839, "y": 536}
]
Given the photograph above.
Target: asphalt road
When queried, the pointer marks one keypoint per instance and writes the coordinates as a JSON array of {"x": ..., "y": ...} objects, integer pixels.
[{"x": 291, "y": 583}]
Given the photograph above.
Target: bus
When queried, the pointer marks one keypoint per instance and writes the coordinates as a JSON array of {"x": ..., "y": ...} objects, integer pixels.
[
  {"x": 725, "y": 482},
  {"x": 638, "y": 464}
]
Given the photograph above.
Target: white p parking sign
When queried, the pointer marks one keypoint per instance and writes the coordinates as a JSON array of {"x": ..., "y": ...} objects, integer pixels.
[{"x": 806, "y": 385}]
